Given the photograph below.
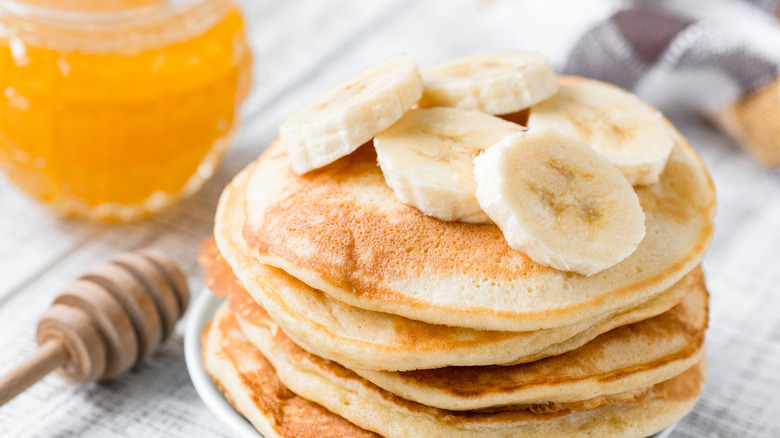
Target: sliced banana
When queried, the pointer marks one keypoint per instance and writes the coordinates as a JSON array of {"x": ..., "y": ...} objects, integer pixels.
[
  {"x": 559, "y": 201},
  {"x": 494, "y": 82},
  {"x": 614, "y": 122},
  {"x": 351, "y": 113},
  {"x": 427, "y": 159}
]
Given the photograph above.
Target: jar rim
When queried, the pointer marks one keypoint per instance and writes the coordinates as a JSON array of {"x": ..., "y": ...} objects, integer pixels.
[
  {"x": 72, "y": 17},
  {"x": 128, "y": 31}
]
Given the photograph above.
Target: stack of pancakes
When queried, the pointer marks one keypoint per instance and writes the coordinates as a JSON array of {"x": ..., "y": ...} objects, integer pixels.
[{"x": 352, "y": 314}]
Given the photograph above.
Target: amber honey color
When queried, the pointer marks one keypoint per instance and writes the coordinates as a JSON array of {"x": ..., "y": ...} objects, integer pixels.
[{"x": 119, "y": 125}]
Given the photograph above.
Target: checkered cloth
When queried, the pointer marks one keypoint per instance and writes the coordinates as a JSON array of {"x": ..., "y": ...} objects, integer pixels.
[{"x": 720, "y": 57}]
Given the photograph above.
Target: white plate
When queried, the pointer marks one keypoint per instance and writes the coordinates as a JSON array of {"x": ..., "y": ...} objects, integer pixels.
[{"x": 200, "y": 314}]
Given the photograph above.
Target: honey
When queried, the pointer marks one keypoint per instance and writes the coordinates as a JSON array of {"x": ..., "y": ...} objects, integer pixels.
[{"x": 113, "y": 114}]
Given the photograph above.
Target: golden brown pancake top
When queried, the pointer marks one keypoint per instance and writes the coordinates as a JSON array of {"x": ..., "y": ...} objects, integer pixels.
[{"x": 341, "y": 230}]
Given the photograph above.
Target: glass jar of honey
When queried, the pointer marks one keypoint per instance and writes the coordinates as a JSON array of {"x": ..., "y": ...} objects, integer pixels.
[{"x": 112, "y": 109}]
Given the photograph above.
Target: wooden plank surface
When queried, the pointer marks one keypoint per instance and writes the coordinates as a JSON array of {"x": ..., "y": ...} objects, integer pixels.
[{"x": 301, "y": 48}]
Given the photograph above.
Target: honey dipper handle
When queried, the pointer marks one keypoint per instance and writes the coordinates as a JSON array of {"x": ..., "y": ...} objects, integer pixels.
[{"x": 49, "y": 356}]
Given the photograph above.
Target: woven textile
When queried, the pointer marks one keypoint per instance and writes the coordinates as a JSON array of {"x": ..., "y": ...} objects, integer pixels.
[{"x": 701, "y": 57}]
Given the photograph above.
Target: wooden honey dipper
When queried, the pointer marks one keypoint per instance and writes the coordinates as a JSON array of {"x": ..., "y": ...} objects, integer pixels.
[{"x": 106, "y": 322}]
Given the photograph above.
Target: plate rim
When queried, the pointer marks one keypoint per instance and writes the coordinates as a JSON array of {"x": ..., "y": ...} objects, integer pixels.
[{"x": 201, "y": 312}]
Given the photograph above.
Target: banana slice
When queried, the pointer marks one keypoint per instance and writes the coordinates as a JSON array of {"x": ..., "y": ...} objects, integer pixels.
[
  {"x": 559, "y": 201},
  {"x": 351, "y": 113},
  {"x": 495, "y": 82},
  {"x": 614, "y": 122},
  {"x": 427, "y": 159}
]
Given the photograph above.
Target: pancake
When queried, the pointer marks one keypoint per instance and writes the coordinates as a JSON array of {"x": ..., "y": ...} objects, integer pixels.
[
  {"x": 243, "y": 375},
  {"x": 341, "y": 230},
  {"x": 251, "y": 385},
  {"x": 624, "y": 359},
  {"x": 359, "y": 338}
]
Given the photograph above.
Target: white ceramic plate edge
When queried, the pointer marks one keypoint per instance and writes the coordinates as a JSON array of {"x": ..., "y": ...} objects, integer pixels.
[{"x": 200, "y": 314}]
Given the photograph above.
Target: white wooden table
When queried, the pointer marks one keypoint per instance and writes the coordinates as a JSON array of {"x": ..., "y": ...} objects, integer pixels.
[{"x": 301, "y": 48}]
